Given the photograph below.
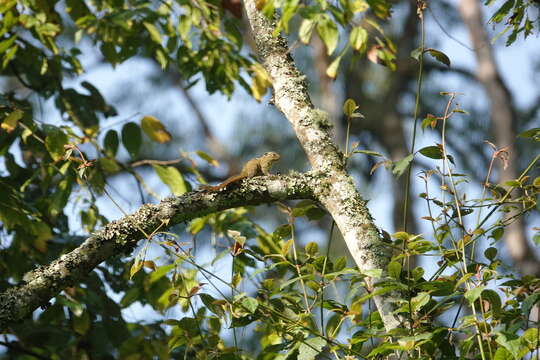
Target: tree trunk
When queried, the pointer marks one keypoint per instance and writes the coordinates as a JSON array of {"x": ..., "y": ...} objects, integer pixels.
[{"x": 336, "y": 189}]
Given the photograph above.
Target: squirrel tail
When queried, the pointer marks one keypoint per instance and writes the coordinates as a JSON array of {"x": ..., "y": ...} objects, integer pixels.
[{"x": 223, "y": 184}]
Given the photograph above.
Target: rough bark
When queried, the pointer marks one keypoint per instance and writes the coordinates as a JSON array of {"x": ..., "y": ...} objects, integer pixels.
[
  {"x": 503, "y": 119},
  {"x": 336, "y": 190},
  {"x": 122, "y": 235},
  {"x": 328, "y": 98}
]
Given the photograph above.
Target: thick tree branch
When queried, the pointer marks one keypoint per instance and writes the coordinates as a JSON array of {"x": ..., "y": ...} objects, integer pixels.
[
  {"x": 336, "y": 191},
  {"x": 122, "y": 235}
]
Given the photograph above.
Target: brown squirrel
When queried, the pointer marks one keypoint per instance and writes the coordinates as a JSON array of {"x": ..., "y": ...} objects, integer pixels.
[{"x": 254, "y": 167}]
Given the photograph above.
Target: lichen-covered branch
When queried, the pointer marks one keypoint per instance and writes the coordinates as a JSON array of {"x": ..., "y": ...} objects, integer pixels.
[
  {"x": 122, "y": 235},
  {"x": 336, "y": 191}
]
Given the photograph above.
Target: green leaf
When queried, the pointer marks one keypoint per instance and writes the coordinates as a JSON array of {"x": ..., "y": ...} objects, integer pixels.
[
  {"x": 536, "y": 238},
  {"x": 394, "y": 269},
  {"x": 286, "y": 247},
  {"x": 511, "y": 342},
  {"x": 349, "y": 107},
  {"x": 109, "y": 165},
  {"x": 429, "y": 120},
  {"x": 153, "y": 31},
  {"x": 110, "y": 143},
  {"x": 250, "y": 304},
  {"x": 381, "y": 8},
  {"x": 81, "y": 323},
  {"x": 212, "y": 304},
  {"x": 439, "y": 56},
  {"x": 305, "y": 31},
  {"x": 315, "y": 213},
  {"x": 288, "y": 11},
  {"x": 294, "y": 279},
  {"x": 184, "y": 26},
  {"x": 333, "y": 68},
  {"x": 374, "y": 273},
  {"x": 494, "y": 300},
  {"x": 329, "y": 34},
  {"x": 531, "y": 338},
  {"x": 531, "y": 133},
  {"x": 312, "y": 248},
  {"x": 410, "y": 342},
  {"x": 172, "y": 178},
  {"x": 48, "y": 29},
  {"x": 130, "y": 297},
  {"x": 438, "y": 287},
  {"x": 432, "y": 152},
  {"x": 6, "y": 44},
  {"x": 529, "y": 302},
  {"x": 490, "y": 253},
  {"x": 340, "y": 263},
  {"x": 358, "y": 39},
  {"x": 383, "y": 349},
  {"x": 76, "y": 9},
  {"x": 419, "y": 301},
  {"x": 401, "y": 165},
  {"x": 502, "y": 12},
  {"x": 283, "y": 231},
  {"x": 131, "y": 138},
  {"x": 196, "y": 225},
  {"x": 417, "y": 273},
  {"x": 497, "y": 233},
  {"x": 473, "y": 294},
  {"x": 416, "y": 53},
  {"x": 310, "y": 348},
  {"x": 160, "y": 273},
  {"x": 6, "y": 5},
  {"x": 55, "y": 141},
  {"x": 10, "y": 54},
  {"x": 162, "y": 58},
  {"x": 109, "y": 53}
]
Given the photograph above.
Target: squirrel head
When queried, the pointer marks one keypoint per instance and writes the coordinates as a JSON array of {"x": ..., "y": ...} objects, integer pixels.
[{"x": 271, "y": 155}]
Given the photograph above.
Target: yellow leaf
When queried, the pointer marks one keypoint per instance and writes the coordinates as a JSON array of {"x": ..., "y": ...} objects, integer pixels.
[
  {"x": 150, "y": 264},
  {"x": 137, "y": 265},
  {"x": 260, "y": 81},
  {"x": 209, "y": 159},
  {"x": 155, "y": 129},
  {"x": 286, "y": 247},
  {"x": 10, "y": 122},
  {"x": 153, "y": 31}
]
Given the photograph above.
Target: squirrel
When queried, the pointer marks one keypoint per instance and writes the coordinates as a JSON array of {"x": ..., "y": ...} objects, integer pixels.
[{"x": 254, "y": 167}]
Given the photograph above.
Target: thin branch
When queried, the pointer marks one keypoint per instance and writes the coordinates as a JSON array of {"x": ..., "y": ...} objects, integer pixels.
[
  {"x": 198, "y": 113},
  {"x": 156, "y": 162},
  {"x": 503, "y": 123}
]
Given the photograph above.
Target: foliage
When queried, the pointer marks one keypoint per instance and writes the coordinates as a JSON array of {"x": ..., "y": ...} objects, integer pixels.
[
  {"x": 262, "y": 295},
  {"x": 518, "y": 17}
]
